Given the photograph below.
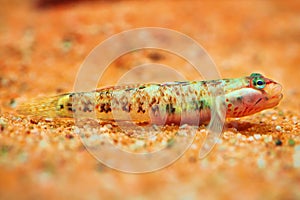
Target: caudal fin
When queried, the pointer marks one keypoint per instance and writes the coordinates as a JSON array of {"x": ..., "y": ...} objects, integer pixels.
[{"x": 44, "y": 107}]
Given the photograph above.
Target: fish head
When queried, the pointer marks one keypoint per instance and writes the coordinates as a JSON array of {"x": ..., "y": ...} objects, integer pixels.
[{"x": 259, "y": 93}]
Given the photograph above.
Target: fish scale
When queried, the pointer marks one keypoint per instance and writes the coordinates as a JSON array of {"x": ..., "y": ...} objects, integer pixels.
[{"x": 166, "y": 103}]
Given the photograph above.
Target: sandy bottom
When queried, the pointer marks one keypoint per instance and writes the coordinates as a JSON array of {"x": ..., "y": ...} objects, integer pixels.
[{"x": 43, "y": 45}]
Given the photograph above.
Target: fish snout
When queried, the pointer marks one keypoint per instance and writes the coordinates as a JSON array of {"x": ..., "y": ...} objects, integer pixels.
[{"x": 276, "y": 90}]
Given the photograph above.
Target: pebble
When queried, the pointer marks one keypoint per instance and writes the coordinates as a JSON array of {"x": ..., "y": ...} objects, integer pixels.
[
  {"x": 48, "y": 119},
  {"x": 232, "y": 141},
  {"x": 280, "y": 113},
  {"x": 170, "y": 142},
  {"x": 291, "y": 142},
  {"x": 34, "y": 131},
  {"x": 108, "y": 126},
  {"x": 183, "y": 126},
  {"x": 268, "y": 138},
  {"x": 251, "y": 138},
  {"x": 69, "y": 136},
  {"x": 228, "y": 134},
  {"x": 182, "y": 133},
  {"x": 274, "y": 118},
  {"x": 278, "y": 128},
  {"x": 76, "y": 129},
  {"x": 244, "y": 138},
  {"x": 153, "y": 138},
  {"x": 103, "y": 129},
  {"x": 155, "y": 127},
  {"x": 13, "y": 103},
  {"x": 278, "y": 142},
  {"x": 239, "y": 136},
  {"x": 295, "y": 120},
  {"x": 137, "y": 145},
  {"x": 257, "y": 136},
  {"x": 2, "y": 124}
]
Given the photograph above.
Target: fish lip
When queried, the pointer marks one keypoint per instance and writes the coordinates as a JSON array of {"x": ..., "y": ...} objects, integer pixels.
[
  {"x": 275, "y": 100},
  {"x": 275, "y": 95},
  {"x": 276, "y": 91}
]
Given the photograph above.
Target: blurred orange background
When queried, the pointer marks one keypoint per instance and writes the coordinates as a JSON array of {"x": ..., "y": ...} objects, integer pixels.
[{"x": 43, "y": 44}]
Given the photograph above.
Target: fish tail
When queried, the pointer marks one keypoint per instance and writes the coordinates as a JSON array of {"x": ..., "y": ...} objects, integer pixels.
[{"x": 56, "y": 106}]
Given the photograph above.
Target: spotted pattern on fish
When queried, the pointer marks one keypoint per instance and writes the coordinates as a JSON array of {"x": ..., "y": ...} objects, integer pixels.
[{"x": 164, "y": 103}]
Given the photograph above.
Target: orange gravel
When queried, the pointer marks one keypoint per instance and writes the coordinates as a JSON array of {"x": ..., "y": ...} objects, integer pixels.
[{"x": 43, "y": 44}]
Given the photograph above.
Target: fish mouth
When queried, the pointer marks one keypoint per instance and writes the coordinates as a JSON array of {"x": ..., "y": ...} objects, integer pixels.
[
  {"x": 275, "y": 95},
  {"x": 276, "y": 91}
]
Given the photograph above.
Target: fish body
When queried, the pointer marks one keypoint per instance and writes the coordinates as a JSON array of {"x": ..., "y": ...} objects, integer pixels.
[{"x": 166, "y": 103}]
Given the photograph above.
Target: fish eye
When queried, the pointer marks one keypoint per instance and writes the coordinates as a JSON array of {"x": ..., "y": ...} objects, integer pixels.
[{"x": 259, "y": 83}]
